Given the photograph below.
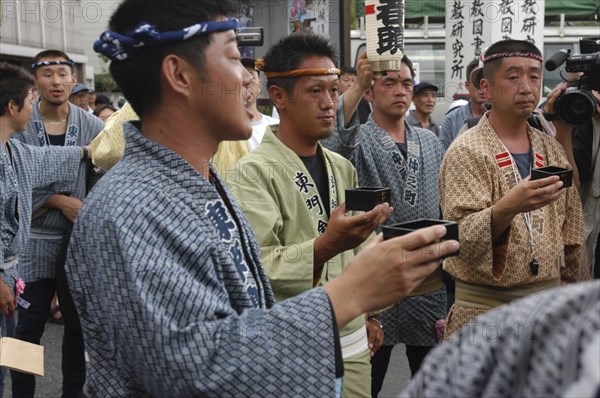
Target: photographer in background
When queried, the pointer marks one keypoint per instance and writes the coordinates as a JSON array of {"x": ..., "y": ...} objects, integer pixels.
[
  {"x": 586, "y": 149},
  {"x": 576, "y": 114}
]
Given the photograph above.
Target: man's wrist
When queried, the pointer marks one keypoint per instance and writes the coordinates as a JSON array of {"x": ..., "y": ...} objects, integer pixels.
[
  {"x": 373, "y": 319},
  {"x": 324, "y": 249},
  {"x": 346, "y": 299}
]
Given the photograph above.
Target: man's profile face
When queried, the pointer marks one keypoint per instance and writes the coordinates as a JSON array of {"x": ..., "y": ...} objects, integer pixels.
[
  {"x": 220, "y": 97},
  {"x": 314, "y": 101},
  {"x": 390, "y": 95},
  {"x": 22, "y": 117},
  {"x": 515, "y": 89},
  {"x": 346, "y": 81},
  {"x": 54, "y": 82},
  {"x": 475, "y": 94},
  {"x": 254, "y": 86},
  {"x": 425, "y": 101},
  {"x": 91, "y": 97}
]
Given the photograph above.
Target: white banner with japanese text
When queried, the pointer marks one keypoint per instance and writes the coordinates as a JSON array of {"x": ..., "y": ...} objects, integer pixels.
[{"x": 471, "y": 26}]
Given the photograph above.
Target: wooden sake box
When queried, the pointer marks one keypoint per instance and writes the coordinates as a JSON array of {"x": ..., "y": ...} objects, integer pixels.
[
  {"x": 395, "y": 230},
  {"x": 366, "y": 198},
  {"x": 566, "y": 175}
]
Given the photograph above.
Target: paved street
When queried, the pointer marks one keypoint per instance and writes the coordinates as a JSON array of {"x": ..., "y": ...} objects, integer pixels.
[
  {"x": 398, "y": 373},
  {"x": 49, "y": 386}
]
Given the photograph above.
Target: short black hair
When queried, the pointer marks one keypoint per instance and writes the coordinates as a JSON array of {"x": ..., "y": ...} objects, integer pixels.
[
  {"x": 408, "y": 62},
  {"x": 472, "y": 65},
  {"x": 140, "y": 77},
  {"x": 249, "y": 63},
  {"x": 348, "y": 70},
  {"x": 506, "y": 46},
  {"x": 290, "y": 51},
  {"x": 102, "y": 99},
  {"x": 50, "y": 54},
  {"x": 102, "y": 107},
  {"x": 15, "y": 84}
]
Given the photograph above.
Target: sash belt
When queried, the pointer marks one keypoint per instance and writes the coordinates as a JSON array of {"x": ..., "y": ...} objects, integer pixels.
[
  {"x": 430, "y": 284},
  {"x": 487, "y": 297},
  {"x": 354, "y": 343}
]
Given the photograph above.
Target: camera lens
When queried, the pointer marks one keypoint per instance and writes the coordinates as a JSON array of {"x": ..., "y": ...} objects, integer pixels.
[{"x": 575, "y": 107}]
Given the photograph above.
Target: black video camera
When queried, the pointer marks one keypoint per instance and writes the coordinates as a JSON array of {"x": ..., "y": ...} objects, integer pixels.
[{"x": 576, "y": 106}]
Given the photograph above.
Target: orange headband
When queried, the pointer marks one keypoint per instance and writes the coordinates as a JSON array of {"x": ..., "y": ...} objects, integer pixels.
[
  {"x": 305, "y": 72},
  {"x": 260, "y": 64}
]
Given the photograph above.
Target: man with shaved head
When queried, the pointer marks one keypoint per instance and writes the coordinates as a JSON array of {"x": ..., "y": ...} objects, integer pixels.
[{"x": 519, "y": 236}]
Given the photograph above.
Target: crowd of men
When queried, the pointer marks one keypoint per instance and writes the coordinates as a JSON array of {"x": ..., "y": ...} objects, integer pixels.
[{"x": 217, "y": 256}]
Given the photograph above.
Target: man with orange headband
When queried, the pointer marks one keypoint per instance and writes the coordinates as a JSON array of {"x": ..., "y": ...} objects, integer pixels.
[
  {"x": 292, "y": 191},
  {"x": 519, "y": 236},
  {"x": 163, "y": 264}
]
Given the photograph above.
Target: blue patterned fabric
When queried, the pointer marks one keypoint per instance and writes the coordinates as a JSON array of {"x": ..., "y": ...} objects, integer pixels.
[
  {"x": 452, "y": 124},
  {"x": 50, "y": 168},
  {"x": 412, "y": 320},
  {"x": 415, "y": 194},
  {"x": 119, "y": 47},
  {"x": 26, "y": 167},
  {"x": 36, "y": 65},
  {"x": 379, "y": 163},
  {"x": 544, "y": 345},
  {"x": 38, "y": 260},
  {"x": 169, "y": 309}
]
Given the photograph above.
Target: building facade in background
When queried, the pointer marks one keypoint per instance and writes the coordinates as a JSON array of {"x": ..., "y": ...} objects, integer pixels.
[{"x": 30, "y": 26}]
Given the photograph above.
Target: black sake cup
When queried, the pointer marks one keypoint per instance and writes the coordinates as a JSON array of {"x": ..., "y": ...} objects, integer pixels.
[
  {"x": 395, "y": 230},
  {"x": 566, "y": 175},
  {"x": 366, "y": 198}
]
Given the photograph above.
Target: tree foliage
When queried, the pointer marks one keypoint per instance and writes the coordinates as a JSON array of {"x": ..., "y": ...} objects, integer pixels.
[{"x": 104, "y": 83}]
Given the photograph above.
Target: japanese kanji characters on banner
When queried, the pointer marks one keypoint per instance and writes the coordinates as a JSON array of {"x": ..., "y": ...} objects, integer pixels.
[
  {"x": 471, "y": 26},
  {"x": 520, "y": 20},
  {"x": 385, "y": 33}
]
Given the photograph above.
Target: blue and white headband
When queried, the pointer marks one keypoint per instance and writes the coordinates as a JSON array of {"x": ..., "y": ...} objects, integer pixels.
[
  {"x": 119, "y": 47},
  {"x": 36, "y": 65}
]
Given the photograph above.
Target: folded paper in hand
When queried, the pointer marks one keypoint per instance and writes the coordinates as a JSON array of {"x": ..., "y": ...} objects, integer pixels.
[{"x": 22, "y": 356}]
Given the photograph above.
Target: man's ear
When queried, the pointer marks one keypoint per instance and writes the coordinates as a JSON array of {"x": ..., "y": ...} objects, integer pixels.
[
  {"x": 278, "y": 97},
  {"x": 11, "y": 108},
  {"x": 369, "y": 94},
  {"x": 486, "y": 89},
  {"x": 177, "y": 74}
]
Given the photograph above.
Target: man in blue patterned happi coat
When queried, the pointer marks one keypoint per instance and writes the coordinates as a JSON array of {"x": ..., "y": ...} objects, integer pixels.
[
  {"x": 23, "y": 169},
  {"x": 163, "y": 266},
  {"x": 55, "y": 122}
]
